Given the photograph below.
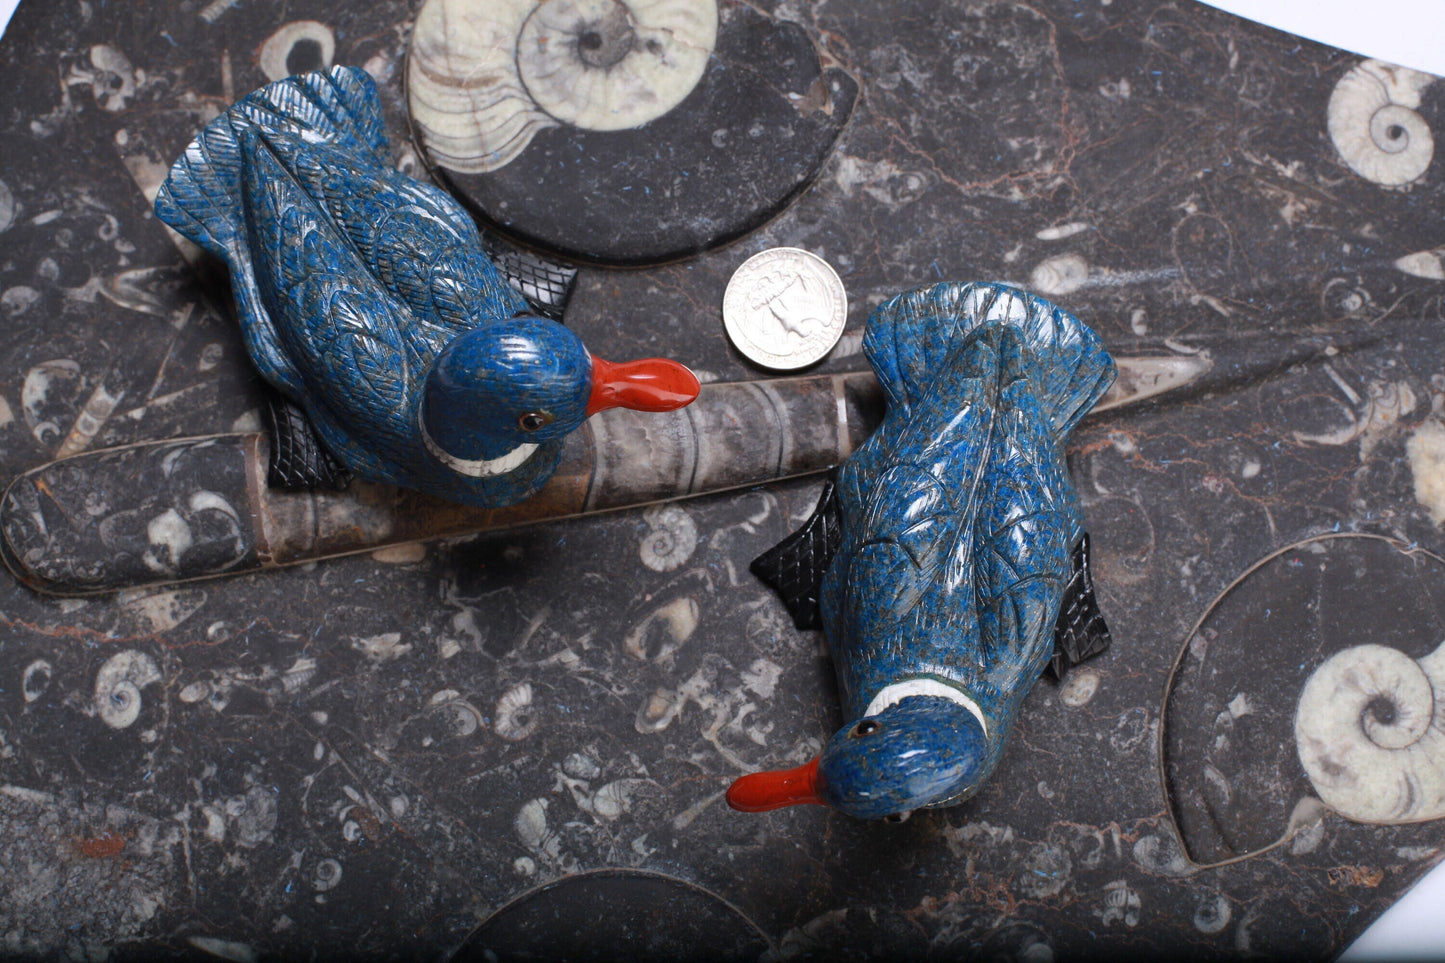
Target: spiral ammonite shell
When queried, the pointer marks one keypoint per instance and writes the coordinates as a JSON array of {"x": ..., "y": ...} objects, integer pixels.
[
  {"x": 1374, "y": 125},
  {"x": 1369, "y": 733},
  {"x": 484, "y": 76}
]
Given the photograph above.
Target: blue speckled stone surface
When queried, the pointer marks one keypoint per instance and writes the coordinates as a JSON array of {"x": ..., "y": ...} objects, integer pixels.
[{"x": 958, "y": 519}]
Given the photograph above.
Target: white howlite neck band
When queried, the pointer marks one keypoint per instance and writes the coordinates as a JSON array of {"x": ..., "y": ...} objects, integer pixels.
[
  {"x": 478, "y": 468},
  {"x": 898, "y": 691}
]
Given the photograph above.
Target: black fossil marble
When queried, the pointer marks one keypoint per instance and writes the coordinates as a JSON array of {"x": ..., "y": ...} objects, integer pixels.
[{"x": 377, "y": 755}]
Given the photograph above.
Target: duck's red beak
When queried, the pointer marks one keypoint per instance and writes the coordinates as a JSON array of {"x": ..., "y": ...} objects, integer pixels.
[
  {"x": 652, "y": 384},
  {"x": 761, "y": 791}
]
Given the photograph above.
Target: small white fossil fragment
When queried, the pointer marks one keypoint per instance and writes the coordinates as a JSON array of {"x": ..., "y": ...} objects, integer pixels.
[
  {"x": 115, "y": 78},
  {"x": 1061, "y": 274},
  {"x": 1212, "y": 914},
  {"x": 297, "y": 47},
  {"x": 118, "y": 687},
  {"x": 677, "y": 619},
  {"x": 36, "y": 679},
  {"x": 326, "y": 875},
  {"x": 515, "y": 719},
  {"x": 1424, "y": 264},
  {"x": 614, "y": 799},
  {"x": 382, "y": 648},
  {"x": 223, "y": 949},
  {"x": 195, "y": 691},
  {"x": 1426, "y": 452},
  {"x": 1079, "y": 687}
]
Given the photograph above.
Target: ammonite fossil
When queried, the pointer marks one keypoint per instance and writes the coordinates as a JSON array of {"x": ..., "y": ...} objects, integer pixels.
[
  {"x": 621, "y": 131},
  {"x": 484, "y": 77}
]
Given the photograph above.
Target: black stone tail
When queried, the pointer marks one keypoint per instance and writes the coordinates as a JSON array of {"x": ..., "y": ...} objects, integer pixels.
[
  {"x": 1080, "y": 632},
  {"x": 795, "y": 567},
  {"x": 545, "y": 284},
  {"x": 298, "y": 459}
]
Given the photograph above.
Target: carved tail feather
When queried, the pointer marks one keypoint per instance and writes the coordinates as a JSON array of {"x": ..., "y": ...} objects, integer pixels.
[
  {"x": 910, "y": 336},
  {"x": 202, "y": 196},
  {"x": 1080, "y": 632}
]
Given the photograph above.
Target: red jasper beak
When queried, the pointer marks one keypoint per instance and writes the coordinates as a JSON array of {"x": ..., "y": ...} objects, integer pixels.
[
  {"x": 652, "y": 384},
  {"x": 761, "y": 791}
]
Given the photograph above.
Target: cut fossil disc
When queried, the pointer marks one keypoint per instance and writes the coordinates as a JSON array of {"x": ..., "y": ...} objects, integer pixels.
[
  {"x": 484, "y": 77},
  {"x": 1272, "y": 716}
]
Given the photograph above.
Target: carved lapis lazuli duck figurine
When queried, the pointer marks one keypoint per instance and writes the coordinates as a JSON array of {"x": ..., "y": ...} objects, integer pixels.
[
  {"x": 953, "y": 553},
  {"x": 365, "y": 297}
]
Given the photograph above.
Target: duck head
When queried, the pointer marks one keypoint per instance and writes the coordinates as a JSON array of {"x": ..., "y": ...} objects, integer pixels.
[
  {"x": 905, "y": 753},
  {"x": 496, "y": 394}
]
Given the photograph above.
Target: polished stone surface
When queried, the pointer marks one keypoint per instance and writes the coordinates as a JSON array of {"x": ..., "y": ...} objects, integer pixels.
[{"x": 377, "y": 754}]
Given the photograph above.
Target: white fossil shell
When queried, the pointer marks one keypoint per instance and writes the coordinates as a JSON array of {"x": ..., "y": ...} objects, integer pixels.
[
  {"x": 114, "y": 80},
  {"x": 1373, "y": 122},
  {"x": 297, "y": 47},
  {"x": 1079, "y": 687},
  {"x": 671, "y": 539},
  {"x": 118, "y": 686},
  {"x": 484, "y": 76},
  {"x": 36, "y": 679},
  {"x": 1424, "y": 264},
  {"x": 515, "y": 718},
  {"x": 1370, "y": 731},
  {"x": 677, "y": 619},
  {"x": 1060, "y": 274},
  {"x": 326, "y": 875}
]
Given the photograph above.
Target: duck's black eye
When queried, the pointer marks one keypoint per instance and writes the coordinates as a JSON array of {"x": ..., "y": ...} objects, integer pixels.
[
  {"x": 533, "y": 420},
  {"x": 865, "y": 728},
  {"x": 898, "y": 817}
]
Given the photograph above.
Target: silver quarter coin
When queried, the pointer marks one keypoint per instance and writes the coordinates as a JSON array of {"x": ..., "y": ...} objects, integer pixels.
[{"x": 785, "y": 308}]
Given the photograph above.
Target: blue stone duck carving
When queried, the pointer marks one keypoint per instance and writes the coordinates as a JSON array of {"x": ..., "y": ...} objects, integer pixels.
[
  {"x": 366, "y": 298},
  {"x": 948, "y": 563}
]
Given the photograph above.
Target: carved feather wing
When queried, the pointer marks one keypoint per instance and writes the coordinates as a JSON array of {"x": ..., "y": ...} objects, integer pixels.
[
  {"x": 413, "y": 237},
  {"x": 341, "y": 327},
  {"x": 900, "y": 598},
  {"x": 1027, "y": 522}
]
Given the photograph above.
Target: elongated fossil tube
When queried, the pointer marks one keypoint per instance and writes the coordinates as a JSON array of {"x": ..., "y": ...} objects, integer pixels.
[
  {"x": 194, "y": 508},
  {"x": 197, "y": 508}
]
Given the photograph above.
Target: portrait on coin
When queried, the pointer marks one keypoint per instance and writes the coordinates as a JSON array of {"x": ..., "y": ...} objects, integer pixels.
[{"x": 796, "y": 301}]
